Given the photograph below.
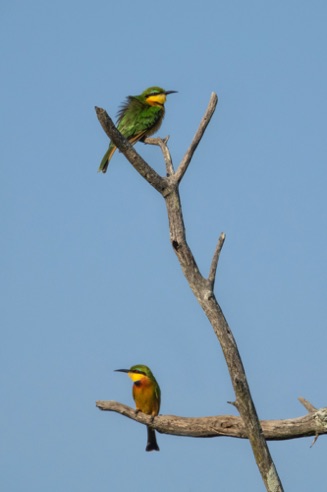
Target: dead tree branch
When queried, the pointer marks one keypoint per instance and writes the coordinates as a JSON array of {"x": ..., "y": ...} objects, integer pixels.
[{"x": 312, "y": 424}]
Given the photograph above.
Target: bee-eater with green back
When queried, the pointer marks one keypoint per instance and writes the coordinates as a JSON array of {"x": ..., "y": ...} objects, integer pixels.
[
  {"x": 138, "y": 118},
  {"x": 146, "y": 394}
]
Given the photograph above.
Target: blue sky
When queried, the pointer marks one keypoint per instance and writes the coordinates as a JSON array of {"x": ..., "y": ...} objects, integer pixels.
[{"x": 89, "y": 280}]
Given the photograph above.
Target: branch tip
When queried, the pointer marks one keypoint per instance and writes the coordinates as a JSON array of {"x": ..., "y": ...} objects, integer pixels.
[
  {"x": 315, "y": 440},
  {"x": 307, "y": 405},
  {"x": 197, "y": 137},
  {"x": 162, "y": 143},
  {"x": 215, "y": 259}
]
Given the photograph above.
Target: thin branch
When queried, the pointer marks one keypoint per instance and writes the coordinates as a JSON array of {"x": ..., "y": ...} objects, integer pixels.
[
  {"x": 197, "y": 137},
  {"x": 142, "y": 167},
  {"x": 307, "y": 405},
  {"x": 162, "y": 143},
  {"x": 221, "y": 425},
  {"x": 215, "y": 259}
]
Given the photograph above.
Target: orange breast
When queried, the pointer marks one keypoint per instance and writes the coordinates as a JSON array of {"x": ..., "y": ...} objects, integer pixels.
[{"x": 145, "y": 396}]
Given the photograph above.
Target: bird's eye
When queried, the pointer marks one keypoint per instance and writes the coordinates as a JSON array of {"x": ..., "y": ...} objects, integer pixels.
[{"x": 137, "y": 371}]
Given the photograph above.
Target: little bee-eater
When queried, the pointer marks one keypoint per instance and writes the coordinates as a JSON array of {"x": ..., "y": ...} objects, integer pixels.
[
  {"x": 146, "y": 394},
  {"x": 139, "y": 117}
]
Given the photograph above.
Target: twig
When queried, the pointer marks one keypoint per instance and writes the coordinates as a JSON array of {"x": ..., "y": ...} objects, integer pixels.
[
  {"x": 307, "y": 405},
  {"x": 197, "y": 137},
  {"x": 162, "y": 143},
  {"x": 215, "y": 259}
]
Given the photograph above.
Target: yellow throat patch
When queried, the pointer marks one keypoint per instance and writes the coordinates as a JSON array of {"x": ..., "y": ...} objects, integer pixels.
[
  {"x": 156, "y": 99},
  {"x": 135, "y": 376}
]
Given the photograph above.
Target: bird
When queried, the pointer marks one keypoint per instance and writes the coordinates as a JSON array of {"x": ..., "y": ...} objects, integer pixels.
[
  {"x": 147, "y": 395},
  {"x": 138, "y": 118}
]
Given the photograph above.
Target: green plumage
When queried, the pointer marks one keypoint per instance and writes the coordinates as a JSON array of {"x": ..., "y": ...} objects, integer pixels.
[{"x": 139, "y": 117}]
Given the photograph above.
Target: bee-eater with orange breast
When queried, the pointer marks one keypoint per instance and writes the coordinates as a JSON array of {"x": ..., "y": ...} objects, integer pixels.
[
  {"x": 146, "y": 394},
  {"x": 138, "y": 118}
]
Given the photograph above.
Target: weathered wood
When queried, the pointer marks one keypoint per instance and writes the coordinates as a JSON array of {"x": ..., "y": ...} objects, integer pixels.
[{"x": 312, "y": 424}]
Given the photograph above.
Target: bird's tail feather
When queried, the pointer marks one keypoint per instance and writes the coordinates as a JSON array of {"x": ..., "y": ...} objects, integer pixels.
[
  {"x": 152, "y": 444},
  {"x": 106, "y": 159}
]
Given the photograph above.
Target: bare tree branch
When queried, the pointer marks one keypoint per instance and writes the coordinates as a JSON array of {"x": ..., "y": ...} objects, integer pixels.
[{"x": 224, "y": 425}]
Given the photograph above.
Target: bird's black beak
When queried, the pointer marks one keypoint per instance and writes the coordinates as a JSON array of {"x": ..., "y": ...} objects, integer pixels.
[
  {"x": 121, "y": 370},
  {"x": 170, "y": 92}
]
